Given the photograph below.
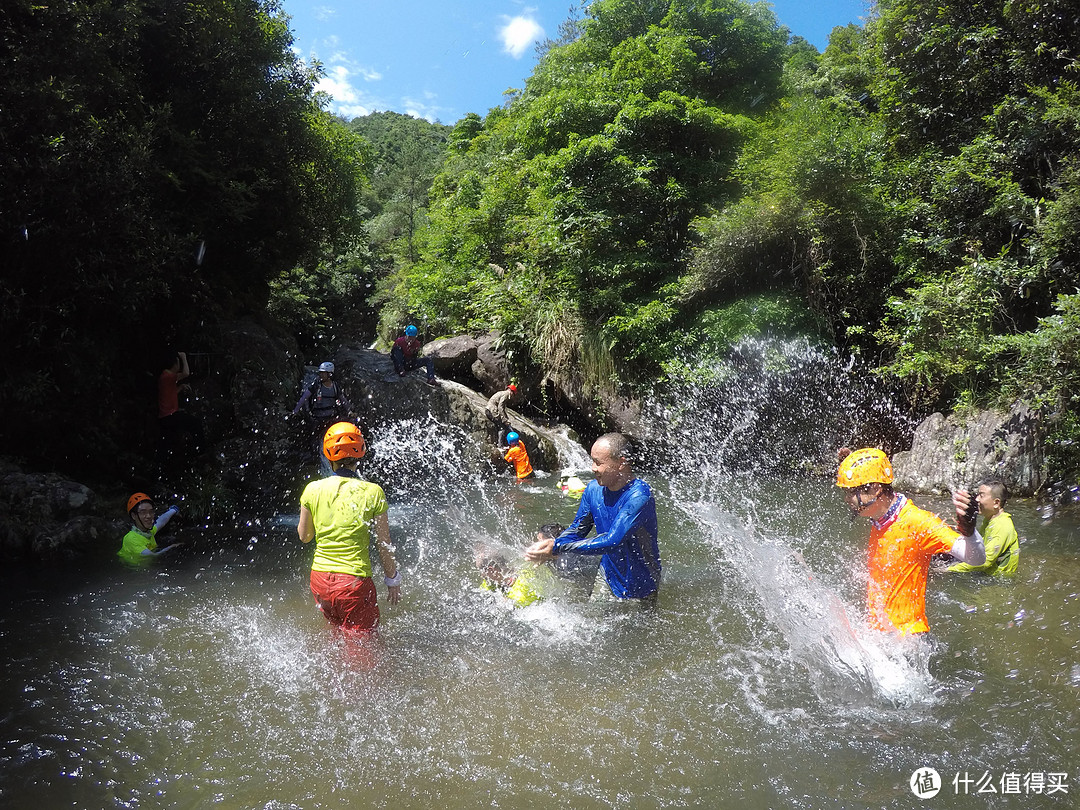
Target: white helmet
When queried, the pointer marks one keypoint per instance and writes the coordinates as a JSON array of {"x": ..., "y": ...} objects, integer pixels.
[{"x": 326, "y": 367}]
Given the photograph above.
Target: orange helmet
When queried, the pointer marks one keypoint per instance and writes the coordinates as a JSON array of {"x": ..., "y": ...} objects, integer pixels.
[
  {"x": 866, "y": 466},
  {"x": 343, "y": 440},
  {"x": 136, "y": 499}
]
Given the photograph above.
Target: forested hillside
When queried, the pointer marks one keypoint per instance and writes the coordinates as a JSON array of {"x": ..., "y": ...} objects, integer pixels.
[
  {"x": 674, "y": 175},
  {"x": 677, "y": 174}
]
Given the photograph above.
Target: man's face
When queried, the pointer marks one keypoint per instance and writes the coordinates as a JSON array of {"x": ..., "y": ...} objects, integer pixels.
[
  {"x": 859, "y": 499},
  {"x": 610, "y": 471},
  {"x": 987, "y": 502},
  {"x": 144, "y": 516}
]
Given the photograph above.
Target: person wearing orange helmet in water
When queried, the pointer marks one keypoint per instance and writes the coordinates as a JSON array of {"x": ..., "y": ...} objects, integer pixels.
[
  {"x": 903, "y": 539},
  {"x": 341, "y": 513},
  {"x": 140, "y": 543}
]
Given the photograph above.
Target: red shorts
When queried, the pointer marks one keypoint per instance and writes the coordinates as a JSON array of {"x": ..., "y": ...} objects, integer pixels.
[{"x": 345, "y": 600}]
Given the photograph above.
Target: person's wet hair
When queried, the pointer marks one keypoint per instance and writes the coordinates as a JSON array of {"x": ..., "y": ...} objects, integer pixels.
[
  {"x": 998, "y": 490},
  {"x": 550, "y": 530},
  {"x": 618, "y": 446}
]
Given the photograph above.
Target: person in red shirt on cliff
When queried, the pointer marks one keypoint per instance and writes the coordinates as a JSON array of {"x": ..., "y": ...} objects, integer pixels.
[
  {"x": 173, "y": 421},
  {"x": 406, "y": 355}
]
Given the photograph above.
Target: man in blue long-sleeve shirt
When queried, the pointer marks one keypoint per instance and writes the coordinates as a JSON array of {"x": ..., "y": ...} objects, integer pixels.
[{"x": 622, "y": 510}]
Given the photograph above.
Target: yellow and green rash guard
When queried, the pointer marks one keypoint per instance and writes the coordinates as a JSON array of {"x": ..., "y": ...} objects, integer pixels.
[
  {"x": 1002, "y": 548},
  {"x": 135, "y": 542},
  {"x": 531, "y": 585},
  {"x": 343, "y": 510}
]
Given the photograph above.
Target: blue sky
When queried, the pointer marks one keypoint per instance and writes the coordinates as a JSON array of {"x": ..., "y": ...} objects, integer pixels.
[{"x": 441, "y": 59}]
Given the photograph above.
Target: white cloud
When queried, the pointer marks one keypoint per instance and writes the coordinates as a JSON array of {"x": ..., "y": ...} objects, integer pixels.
[
  {"x": 426, "y": 108},
  {"x": 518, "y": 34},
  {"x": 324, "y": 13},
  {"x": 346, "y": 99},
  {"x": 351, "y": 101}
]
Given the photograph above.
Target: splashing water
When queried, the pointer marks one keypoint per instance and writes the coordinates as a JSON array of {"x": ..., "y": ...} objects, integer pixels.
[
  {"x": 778, "y": 408},
  {"x": 213, "y": 680},
  {"x": 848, "y": 663},
  {"x": 774, "y": 406},
  {"x": 571, "y": 454}
]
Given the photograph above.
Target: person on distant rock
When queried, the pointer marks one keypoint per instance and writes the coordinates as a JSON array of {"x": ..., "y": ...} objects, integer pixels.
[
  {"x": 903, "y": 539},
  {"x": 406, "y": 355},
  {"x": 622, "y": 510},
  {"x": 140, "y": 543},
  {"x": 516, "y": 454},
  {"x": 324, "y": 402},
  {"x": 495, "y": 412},
  {"x": 174, "y": 422},
  {"x": 342, "y": 513},
  {"x": 999, "y": 535}
]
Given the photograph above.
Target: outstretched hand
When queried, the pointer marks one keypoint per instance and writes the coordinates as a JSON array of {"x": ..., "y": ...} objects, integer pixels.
[{"x": 540, "y": 550}]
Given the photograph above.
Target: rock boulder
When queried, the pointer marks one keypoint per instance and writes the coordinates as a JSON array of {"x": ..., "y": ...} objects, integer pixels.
[{"x": 953, "y": 451}]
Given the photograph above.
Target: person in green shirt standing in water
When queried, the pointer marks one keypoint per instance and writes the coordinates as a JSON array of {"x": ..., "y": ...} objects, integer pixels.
[{"x": 998, "y": 532}]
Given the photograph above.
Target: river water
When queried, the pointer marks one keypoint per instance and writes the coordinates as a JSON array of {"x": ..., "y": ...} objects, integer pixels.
[{"x": 211, "y": 680}]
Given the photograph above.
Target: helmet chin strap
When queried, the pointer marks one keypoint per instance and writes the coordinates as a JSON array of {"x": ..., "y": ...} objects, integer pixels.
[{"x": 859, "y": 501}]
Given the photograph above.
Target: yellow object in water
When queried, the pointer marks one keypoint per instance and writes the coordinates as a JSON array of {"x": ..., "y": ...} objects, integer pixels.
[
  {"x": 531, "y": 585},
  {"x": 572, "y": 486}
]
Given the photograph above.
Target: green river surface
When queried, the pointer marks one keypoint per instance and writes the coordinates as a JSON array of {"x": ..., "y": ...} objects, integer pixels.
[{"x": 211, "y": 679}]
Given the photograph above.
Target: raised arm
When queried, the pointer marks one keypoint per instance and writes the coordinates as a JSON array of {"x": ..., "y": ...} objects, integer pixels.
[
  {"x": 968, "y": 549},
  {"x": 185, "y": 372}
]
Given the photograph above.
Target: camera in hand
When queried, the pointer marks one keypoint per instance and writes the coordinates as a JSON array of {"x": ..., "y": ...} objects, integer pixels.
[{"x": 965, "y": 524}]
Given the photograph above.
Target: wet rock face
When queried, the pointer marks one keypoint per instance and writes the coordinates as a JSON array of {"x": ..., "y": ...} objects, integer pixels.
[
  {"x": 47, "y": 516},
  {"x": 381, "y": 397},
  {"x": 475, "y": 362},
  {"x": 953, "y": 451}
]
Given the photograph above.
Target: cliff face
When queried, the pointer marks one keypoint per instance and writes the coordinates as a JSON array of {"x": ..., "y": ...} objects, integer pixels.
[
  {"x": 257, "y": 457},
  {"x": 948, "y": 452}
]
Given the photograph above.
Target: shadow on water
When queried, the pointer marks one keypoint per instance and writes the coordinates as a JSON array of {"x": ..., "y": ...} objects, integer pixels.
[{"x": 213, "y": 680}]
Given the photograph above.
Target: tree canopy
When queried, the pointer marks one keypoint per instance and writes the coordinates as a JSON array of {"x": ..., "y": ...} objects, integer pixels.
[{"x": 137, "y": 133}]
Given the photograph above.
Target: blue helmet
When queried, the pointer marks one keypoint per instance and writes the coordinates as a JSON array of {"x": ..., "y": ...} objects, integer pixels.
[
  {"x": 511, "y": 438},
  {"x": 410, "y": 330}
]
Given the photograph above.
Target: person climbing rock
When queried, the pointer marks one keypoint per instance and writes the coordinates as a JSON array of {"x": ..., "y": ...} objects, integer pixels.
[
  {"x": 496, "y": 415},
  {"x": 405, "y": 355},
  {"x": 516, "y": 454}
]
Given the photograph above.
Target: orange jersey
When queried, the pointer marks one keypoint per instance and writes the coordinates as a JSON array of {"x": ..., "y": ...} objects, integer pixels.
[
  {"x": 900, "y": 551},
  {"x": 519, "y": 457}
]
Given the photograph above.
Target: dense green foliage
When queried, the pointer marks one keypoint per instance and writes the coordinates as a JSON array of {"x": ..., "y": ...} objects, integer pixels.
[
  {"x": 133, "y": 131},
  {"x": 333, "y": 297},
  {"x": 673, "y": 176},
  {"x": 564, "y": 219}
]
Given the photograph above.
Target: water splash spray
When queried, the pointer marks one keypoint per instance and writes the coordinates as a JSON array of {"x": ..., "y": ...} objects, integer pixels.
[{"x": 776, "y": 410}]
